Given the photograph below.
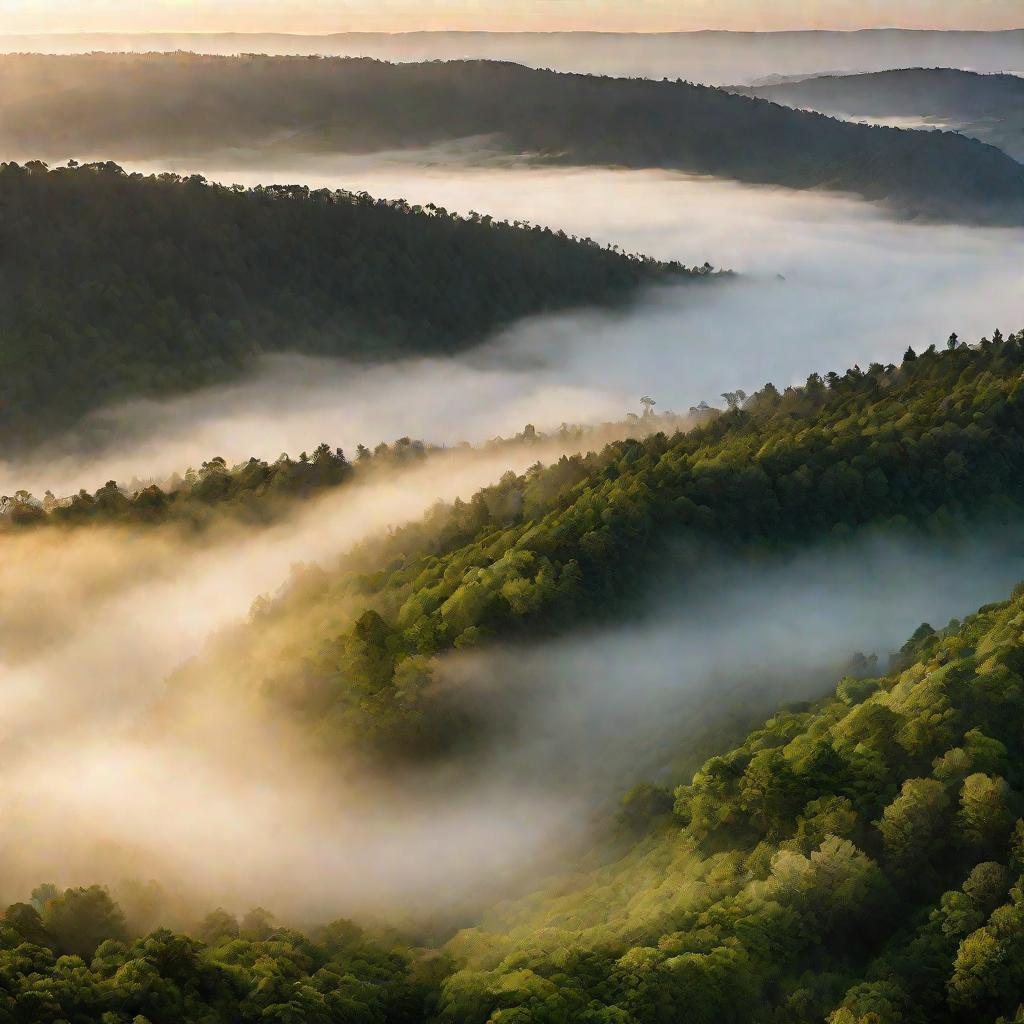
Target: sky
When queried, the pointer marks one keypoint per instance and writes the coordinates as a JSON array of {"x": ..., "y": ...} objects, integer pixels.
[{"x": 316, "y": 16}]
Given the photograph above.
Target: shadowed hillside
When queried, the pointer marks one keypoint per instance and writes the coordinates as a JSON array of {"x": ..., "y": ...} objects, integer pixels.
[
  {"x": 151, "y": 285},
  {"x": 145, "y": 107},
  {"x": 985, "y": 107}
]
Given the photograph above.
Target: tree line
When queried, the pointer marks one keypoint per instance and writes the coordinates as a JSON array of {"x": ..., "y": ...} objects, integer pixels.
[{"x": 253, "y": 491}]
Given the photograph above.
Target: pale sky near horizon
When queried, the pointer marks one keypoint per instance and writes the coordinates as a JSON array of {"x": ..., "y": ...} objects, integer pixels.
[{"x": 314, "y": 16}]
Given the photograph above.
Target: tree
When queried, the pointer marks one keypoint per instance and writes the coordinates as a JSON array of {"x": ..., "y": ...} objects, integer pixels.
[
  {"x": 80, "y": 919},
  {"x": 986, "y": 815},
  {"x": 913, "y": 824}
]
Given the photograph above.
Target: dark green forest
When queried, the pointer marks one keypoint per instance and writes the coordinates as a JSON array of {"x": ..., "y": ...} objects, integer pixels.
[
  {"x": 116, "y": 285},
  {"x": 153, "y": 105},
  {"x": 985, "y": 107}
]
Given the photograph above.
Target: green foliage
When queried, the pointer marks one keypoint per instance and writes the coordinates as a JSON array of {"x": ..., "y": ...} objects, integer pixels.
[
  {"x": 569, "y": 543},
  {"x": 148, "y": 285},
  {"x": 78, "y": 964},
  {"x": 815, "y": 872},
  {"x": 254, "y": 491},
  {"x": 80, "y": 919}
]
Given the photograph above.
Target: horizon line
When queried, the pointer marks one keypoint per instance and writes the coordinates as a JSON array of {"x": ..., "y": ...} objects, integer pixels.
[{"x": 511, "y": 32}]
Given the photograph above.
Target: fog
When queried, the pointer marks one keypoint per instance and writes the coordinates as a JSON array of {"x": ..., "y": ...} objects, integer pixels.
[
  {"x": 715, "y": 58},
  {"x": 824, "y": 282},
  {"x": 114, "y": 769},
  {"x": 93, "y": 622},
  {"x": 111, "y": 772}
]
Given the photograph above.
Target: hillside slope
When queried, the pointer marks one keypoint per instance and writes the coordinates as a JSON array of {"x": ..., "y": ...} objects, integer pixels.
[
  {"x": 572, "y": 543},
  {"x": 148, "y": 106},
  {"x": 985, "y": 107},
  {"x": 113, "y": 285},
  {"x": 859, "y": 861}
]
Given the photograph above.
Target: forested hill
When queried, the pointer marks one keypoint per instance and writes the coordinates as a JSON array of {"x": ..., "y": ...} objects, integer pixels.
[
  {"x": 115, "y": 285},
  {"x": 148, "y": 106},
  {"x": 933, "y": 443},
  {"x": 859, "y": 861},
  {"x": 986, "y": 107}
]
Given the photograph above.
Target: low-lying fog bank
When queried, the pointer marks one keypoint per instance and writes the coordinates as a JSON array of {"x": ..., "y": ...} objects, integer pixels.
[{"x": 825, "y": 282}]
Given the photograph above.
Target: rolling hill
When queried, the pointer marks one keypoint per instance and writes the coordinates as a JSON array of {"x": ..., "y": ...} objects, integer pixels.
[
  {"x": 714, "y": 58},
  {"x": 985, "y": 107},
  {"x": 856, "y": 859},
  {"x": 143, "y": 107},
  {"x": 115, "y": 285}
]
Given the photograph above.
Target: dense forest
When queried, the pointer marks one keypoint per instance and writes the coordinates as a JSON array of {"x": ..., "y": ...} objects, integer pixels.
[
  {"x": 156, "y": 105},
  {"x": 933, "y": 444},
  {"x": 856, "y": 861},
  {"x": 72, "y": 956},
  {"x": 985, "y": 107},
  {"x": 147, "y": 285}
]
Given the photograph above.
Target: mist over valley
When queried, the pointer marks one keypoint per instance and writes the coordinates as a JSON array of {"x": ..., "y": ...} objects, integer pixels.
[{"x": 497, "y": 529}]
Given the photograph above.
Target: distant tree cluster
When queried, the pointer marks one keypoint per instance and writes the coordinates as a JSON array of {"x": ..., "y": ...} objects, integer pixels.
[
  {"x": 116, "y": 285},
  {"x": 254, "y": 491}
]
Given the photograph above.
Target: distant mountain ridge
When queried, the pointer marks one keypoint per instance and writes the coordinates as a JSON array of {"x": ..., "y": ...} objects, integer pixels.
[
  {"x": 986, "y": 107},
  {"x": 145, "y": 107},
  {"x": 715, "y": 58}
]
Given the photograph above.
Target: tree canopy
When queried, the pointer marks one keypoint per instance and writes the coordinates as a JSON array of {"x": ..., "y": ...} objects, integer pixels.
[{"x": 858, "y": 861}]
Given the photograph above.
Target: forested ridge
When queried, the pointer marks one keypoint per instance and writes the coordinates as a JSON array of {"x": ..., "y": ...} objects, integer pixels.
[
  {"x": 933, "y": 444},
  {"x": 985, "y": 107},
  {"x": 252, "y": 491},
  {"x": 153, "y": 105},
  {"x": 116, "y": 285}
]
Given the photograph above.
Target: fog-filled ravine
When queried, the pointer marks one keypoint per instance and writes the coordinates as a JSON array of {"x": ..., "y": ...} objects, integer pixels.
[{"x": 823, "y": 283}]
